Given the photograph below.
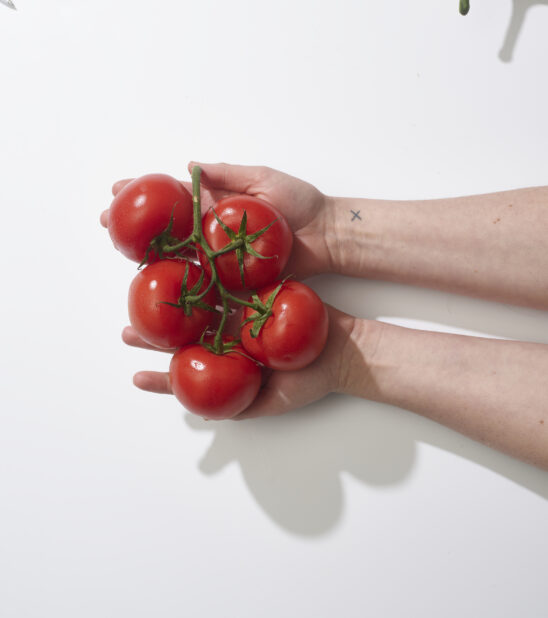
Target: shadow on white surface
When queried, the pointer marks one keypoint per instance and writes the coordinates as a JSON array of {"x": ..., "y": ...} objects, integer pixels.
[
  {"x": 519, "y": 10},
  {"x": 416, "y": 307},
  {"x": 293, "y": 464}
]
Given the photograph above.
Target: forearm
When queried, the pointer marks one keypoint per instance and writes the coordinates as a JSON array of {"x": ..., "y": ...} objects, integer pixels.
[
  {"x": 491, "y": 390},
  {"x": 491, "y": 246}
]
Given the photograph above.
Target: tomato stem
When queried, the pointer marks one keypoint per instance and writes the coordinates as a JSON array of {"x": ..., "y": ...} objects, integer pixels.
[
  {"x": 198, "y": 238},
  {"x": 239, "y": 242}
]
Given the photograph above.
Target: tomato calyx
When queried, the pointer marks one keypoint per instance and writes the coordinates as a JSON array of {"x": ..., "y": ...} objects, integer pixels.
[
  {"x": 165, "y": 243},
  {"x": 241, "y": 241},
  {"x": 224, "y": 347},
  {"x": 167, "y": 246},
  {"x": 262, "y": 311},
  {"x": 227, "y": 345},
  {"x": 190, "y": 298}
]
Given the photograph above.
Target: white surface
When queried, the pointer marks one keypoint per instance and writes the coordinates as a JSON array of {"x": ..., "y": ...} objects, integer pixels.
[{"x": 113, "y": 502}]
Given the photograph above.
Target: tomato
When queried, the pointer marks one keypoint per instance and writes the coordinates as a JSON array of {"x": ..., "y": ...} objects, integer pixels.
[
  {"x": 296, "y": 332},
  {"x": 211, "y": 385},
  {"x": 162, "y": 325},
  {"x": 275, "y": 244},
  {"x": 142, "y": 210}
]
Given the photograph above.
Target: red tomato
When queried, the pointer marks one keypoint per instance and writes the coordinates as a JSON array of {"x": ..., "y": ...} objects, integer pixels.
[
  {"x": 296, "y": 332},
  {"x": 211, "y": 385},
  {"x": 162, "y": 325},
  {"x": 275, "y": 243},
  {"x": 141, "y": 211}
]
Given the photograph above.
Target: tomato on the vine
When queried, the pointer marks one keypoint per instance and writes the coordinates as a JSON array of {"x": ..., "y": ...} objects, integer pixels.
[
  {"x": 275, "y": 244},
  {"x": 216, "y": 386},
  {"x": 162, "y": 324},
  {"x": 296, "y": 332},
  {"x": 142, "y": 210}
]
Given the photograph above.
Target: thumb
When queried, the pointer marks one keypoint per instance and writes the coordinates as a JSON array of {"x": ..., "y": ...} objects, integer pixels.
[{"x": 236, "y": 178}]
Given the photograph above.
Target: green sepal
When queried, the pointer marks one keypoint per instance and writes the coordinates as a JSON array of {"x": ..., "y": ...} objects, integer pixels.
[
  {"x": 230, "y": 233},
  {"x": 249, "y": 249},
  {"x": 263, "y": 312},
  {"x": 226, "y": 347},
  {"x": 240, "y": 258},
  {"x": 253, "y": 237},
  {"x": 164, "y": 242},
  {"x": 243, "y": 225}
]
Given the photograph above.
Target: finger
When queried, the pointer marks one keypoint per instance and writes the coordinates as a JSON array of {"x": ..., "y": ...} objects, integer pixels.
[
  {"x": 208, "y": 196},
  {"x": 153, "y": 382},
  {"x": 270, "y": 401},
  {"x": 282, "y": 392},
  {"x": 116, "y": 188},
  {"x": 119, "y": 185},
  {"x": 130, "y": 337},
  {"x": 236, "y": 178}
]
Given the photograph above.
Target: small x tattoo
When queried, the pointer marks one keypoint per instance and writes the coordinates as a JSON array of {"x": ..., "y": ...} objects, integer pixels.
[{"x": 355, "y": 215}]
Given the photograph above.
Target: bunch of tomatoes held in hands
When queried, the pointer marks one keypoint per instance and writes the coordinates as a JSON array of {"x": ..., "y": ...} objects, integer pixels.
[{"x": 182, "y": 296}]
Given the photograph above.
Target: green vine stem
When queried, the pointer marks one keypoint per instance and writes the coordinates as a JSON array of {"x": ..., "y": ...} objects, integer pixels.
[
  {"x": 464, "y": 7},
  {"x": 239, "y": 242}
]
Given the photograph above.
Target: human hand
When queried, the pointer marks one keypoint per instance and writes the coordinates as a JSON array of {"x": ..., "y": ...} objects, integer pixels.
[
  {"x": 304, "y": 206},
  {"x": 282, "y": 391},
  {"x": 306, "y": 211}
]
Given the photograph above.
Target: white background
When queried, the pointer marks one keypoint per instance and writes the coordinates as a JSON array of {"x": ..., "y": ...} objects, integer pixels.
[{"x": 115, "y": 502}]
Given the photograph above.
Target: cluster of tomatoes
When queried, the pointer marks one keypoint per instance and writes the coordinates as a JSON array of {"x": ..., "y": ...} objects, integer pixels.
[{"x": 196, "y": 272}]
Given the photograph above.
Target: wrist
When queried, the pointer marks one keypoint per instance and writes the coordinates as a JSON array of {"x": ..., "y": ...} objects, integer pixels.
[
  {"x": 351, "y": 238},
  {"x": 360, "y": 359}
]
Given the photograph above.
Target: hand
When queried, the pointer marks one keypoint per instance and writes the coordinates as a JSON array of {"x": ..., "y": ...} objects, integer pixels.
[
  {"x": 305, "y": 208},
  {"x": 306, "y": 211},
  {"x": 282, "y": 391}
]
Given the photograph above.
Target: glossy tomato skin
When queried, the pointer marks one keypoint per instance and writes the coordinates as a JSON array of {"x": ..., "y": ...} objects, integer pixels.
[
  {"x": 141, "y": 211},
  {"x": 214, "y": 386},
  {"x": 296, "y": 332},
  {"x": 275, "y": 243},
  {"x": 159, "y": 324}
]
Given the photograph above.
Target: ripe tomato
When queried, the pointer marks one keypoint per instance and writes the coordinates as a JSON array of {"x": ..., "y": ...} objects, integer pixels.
[
  {"x": 142, "y": 210},
  {"x": 275, "y": 243},
  {"x": 211, "y": 385},
  {"x": 296, "y": 332},
  {"x": 162, "y": 325}
]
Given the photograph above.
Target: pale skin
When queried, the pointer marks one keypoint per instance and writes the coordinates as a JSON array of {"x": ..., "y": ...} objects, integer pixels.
[{"x": 492, "y": 246}]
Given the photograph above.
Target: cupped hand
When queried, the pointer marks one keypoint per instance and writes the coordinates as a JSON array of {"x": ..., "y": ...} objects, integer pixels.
[
  {"x": 305, "y": 208},
  {"x": 307, "y": 212},
  {"x": 282, "y": 391}
]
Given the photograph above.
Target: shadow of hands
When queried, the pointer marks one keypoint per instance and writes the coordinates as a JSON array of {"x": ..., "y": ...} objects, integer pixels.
[
  {"x": 519, "y": 10},
  {"x": 294, "y": 465}
]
